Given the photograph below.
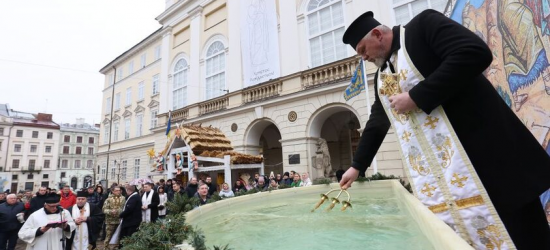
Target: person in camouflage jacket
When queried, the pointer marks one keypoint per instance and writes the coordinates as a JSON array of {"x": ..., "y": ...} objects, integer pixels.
[{"x": 112, "y": 208}]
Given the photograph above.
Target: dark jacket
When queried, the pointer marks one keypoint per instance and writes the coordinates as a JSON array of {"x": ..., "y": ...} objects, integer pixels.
[
  {"x": 452, "y": 60},
  {"x": 95, "y": 199},
  {"x": 237, "y": 189},
  {"x": 172, "y": 194},
  {"x": 191, "y": 190},
  {"x": 94, "y": 223},
  {"x": 212, "y": 188},
  {"x": 154, "y": 206},
  {"x": 37, "y": 203},
  {"x": 131, "y": 216},
  {"x": 8, "y": 216}
]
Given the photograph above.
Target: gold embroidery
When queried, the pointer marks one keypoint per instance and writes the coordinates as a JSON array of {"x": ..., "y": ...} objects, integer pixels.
[
  {"x": 403, "y": 75},
  {"x": 458, "y": 181},
  {"x": 417, "y": 164},
  {"x": 444, "y": 149},
  {"x": 460, "y": 204},
  {"x": 469, "y": 202},
  {"x": 431, "y": 122},
  {"x": 489, "y": 235},
  {"x": 390, "y": 84},
  {"x": 428, "y": 190},
  {"x": 402, "y": 118},
  {"x": 439, "y": 208},
  {"x": 406, "y": 136}
]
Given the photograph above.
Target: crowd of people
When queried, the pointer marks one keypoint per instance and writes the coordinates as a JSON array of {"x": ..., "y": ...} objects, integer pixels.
[{"x": 78, "y": 220}]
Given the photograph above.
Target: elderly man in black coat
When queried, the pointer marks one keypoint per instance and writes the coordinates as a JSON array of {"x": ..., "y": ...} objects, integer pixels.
[
  {"x": 88, "y": 218},
  {"x": 512, "y": 166}
]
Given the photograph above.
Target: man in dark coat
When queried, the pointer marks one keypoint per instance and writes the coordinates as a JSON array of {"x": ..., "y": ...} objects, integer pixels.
[
  {"x": 88, "y": 218},
  {"x": 511, "y": 164},
  {"x": 38, "y": 201},
  {"x": 192, "y": 187},
  {"x": 176, "y": 190},
  {"x": 149, "y": 203},
  {"x": 11, "y": 218},
  {"x": 212, "y": 188},
  {"x": 131, "y": 215}
]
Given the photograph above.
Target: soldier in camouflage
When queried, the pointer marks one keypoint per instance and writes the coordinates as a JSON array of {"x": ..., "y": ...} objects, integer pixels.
[{"x": 112, "y": 208}]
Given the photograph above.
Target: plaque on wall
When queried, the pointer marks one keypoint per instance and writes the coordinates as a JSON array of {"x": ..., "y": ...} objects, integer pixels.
[
  {"x": 234, "y": 127},
  {"x": 294, "y": 159},
  {"x": 292, "y": 116}
]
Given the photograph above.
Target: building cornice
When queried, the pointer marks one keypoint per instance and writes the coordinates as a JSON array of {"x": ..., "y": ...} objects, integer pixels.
[
  {"x": 148, "y": 144},
  {"x": 153, "y": 37}
]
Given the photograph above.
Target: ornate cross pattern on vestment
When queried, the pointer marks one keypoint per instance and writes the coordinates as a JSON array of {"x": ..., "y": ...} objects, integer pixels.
[
  {"x": 428, "y": 190},
  {"x": 390, "y": 84},
  {"x": 406, "y": 136},
  {"x": 458, "y": 181},
  {"x": 403, "y": 75},
  {"x": 431, "y": 122}
]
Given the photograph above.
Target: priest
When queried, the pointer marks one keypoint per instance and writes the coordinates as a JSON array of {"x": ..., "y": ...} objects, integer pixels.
[
  {"x": 88, "y": 219},
  {"x": 47, "y": 228}
]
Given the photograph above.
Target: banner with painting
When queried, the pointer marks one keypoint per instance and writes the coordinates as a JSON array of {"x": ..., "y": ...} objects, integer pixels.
[
  {"x": 259, "y": 41},
  {"x": 5, "y": 182}
]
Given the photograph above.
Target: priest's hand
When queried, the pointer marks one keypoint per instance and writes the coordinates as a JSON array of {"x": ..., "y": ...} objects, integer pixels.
[
  {"x": 144, "y": 208},
  {"x": 44, "y": 229},
  {"x": 402, "y": 103},
  {"x": 349, "y": 177}
]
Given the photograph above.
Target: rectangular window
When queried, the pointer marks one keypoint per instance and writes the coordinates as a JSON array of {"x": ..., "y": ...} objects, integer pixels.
[
  {"x": 48, "y": 149},
  {"x": 34, "y": 134},
  {"x": 44, "y": 184},
  {"x": 108, "y": 105},
  {"x": 19, "y": 133},
  {"x": 0, "y": 145},
  {"x": 49, "y": 135},
  {"x": 405, "y": 10},
  {"x": 14, "y": 177},
  {"x": 1, "y": 131},
  {"x": 79, "y": 139},
  {"x": 29, "y": 185},
  {"x": 117, "y": 101},
  {"x": 143, "y": 60},
  {"x": 156, "y": 84},
  {"x": 103, "y": 172},
  {"x": 63, "y": 174},
  {"x": 131, "y": 68},
  {"x": 30, "y": 177},
  {"x": 113, "y": 169},
  {"x": 67, "y": 138},
  {"x": 90, "y": 164},
  {"x": 136, "y": 168},
  {"x": 124, "y": 170},
  {"x": 66, "y": 149},
  {"x": 127, "y": 128},
  {"x": 154, "y": 119},
  {"x": 64, "y": 163},
  {"x": 17, "y": 148},
  {"x": 106, "y": 135},
  {"x": 15, "y": 163},
  {"x": 119, "y": 74},
  {"x": 157, "y": 52},
  {"x": 115, "y": 132},
  {"x": 33, "y": 148},
  {"x": 32, "y": 164},
  {"x": 111, "y": 79},
  {"x": 91, "y": 140},
  {"x": 46, "y": 163},
  {"x": 45, "y": 176},
  {"x": 128, "y": 96},
  {"x": 141, "y": 87},
  {"x": 77, "y": 164},
  {"x": 90, "y": 151},
  {"x": 139, "y": 124},
  {"x": 78, "y": 150}
]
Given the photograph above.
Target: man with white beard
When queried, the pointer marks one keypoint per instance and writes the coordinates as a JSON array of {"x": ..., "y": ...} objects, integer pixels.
[{"x": 47, "y": 229}]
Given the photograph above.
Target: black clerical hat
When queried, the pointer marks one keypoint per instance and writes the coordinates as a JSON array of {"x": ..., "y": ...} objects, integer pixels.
[
  {"x": 359, "y": 29},
  {"x": 82, "y": 194},
  {"x": 52, "y": 198}
]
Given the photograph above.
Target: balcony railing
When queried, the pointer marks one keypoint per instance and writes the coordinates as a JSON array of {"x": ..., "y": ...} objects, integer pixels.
[
  {"x": 334, "y": 72},
  {"x": 213, "y": 105},
  {"x": 263, "y": 91}
]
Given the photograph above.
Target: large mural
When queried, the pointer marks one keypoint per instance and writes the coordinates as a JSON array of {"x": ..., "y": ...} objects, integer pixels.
[{"x": 518, "y": 33}]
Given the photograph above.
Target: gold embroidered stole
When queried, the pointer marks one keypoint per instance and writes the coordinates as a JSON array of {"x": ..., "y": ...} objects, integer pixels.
[{"x": 440, "y": 172}]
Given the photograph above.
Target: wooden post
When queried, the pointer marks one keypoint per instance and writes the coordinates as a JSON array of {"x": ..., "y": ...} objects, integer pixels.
[{"x": 227, "y": 169}]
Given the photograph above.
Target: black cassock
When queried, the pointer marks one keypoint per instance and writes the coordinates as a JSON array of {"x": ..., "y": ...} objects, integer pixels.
[
  {"x": 94, "y": 222},
  {"x": 510, "y": 162}
]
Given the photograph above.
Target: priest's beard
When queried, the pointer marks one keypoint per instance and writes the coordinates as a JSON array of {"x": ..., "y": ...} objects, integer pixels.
[{"x": 379, "y": 62}]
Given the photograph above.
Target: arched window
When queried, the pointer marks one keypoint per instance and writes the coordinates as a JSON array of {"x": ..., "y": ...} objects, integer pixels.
[
  {"x": 179, "y": 90},
  {"x": 215, "y": 70},
  {"x": 325, "y": 19}
]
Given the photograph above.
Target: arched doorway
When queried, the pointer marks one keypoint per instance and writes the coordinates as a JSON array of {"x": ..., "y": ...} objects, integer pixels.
[
  {"x": 339, "y": 126},
  {"x": 263, "y": 137},
  {"x": 74, "y": 183}
]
